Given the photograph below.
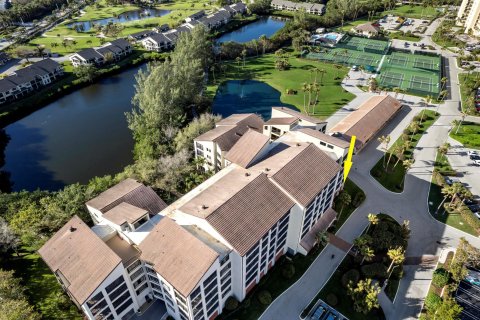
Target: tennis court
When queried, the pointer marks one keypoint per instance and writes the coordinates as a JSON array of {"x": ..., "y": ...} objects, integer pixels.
[
  {"x": 415, "y": 73},
  {"x": 353, "y": 51}
]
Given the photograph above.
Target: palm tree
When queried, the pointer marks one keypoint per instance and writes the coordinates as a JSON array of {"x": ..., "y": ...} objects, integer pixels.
[
  {"x": 244, "y": 54},
  {"x": 407, "y": 164},
  {"x": 426, "y": 103},
  {"x": 444, "y": 82},
  {"x": 396, "y": 149},
  {"x": 455, "y": 123},
  {"x": 414, "y": 127},
  {"x": 316, "y": 90},
  {"x": 372, "y": 84},
  {"x": 373, "y": 219},
  {"x": 443, "y": 149},
  {"x": 397, "y": 255},
  {"x": 345, "y": 199},
  {"x": 464, "y": 115},
  {"x": 363, "y": 245},
  {"x": 263, "y": 40},
  {"x": 385, "y": 140},
  {"x": 238, "y": 60},
  {"x": 305, "y": 89},
  {"x": 322, "y": 238}
]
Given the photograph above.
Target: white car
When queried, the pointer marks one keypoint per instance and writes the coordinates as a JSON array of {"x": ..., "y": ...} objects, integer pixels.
[
  {"x": 476, "y": 162},
  {"x": 473, "y": 153},
  {"x": 477, "y": 214}
]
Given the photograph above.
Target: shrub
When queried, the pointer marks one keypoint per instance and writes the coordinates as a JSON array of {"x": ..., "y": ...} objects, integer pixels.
[
  {"x": 231, "y": 304},
  {"x": 440, "y": 277},
  {"x": 332, "y": 299},
  {"x": 358, "y": 199},
  {"x": 377, "y": 173},
  {"x": 433, "y": 301},
  {"x": 469, "y": 217},
  {"x": 375, "y": 270},
  {"x": 351, "y": 275},
  {"x": 288, "y": 271},
  {"x": 265, "y": 297}
]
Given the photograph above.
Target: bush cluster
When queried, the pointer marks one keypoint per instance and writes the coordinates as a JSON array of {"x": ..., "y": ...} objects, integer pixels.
[
  {"x": 375, "y": 270},
  {"x": 351, "y": 275},
  {"x": 231, "y": 304},
  {"x": 265, "y": 297},
  {"x": 440, "y": 277},
  {"x": 288, "y": 271},
  {"x": 432, "y": 301}
]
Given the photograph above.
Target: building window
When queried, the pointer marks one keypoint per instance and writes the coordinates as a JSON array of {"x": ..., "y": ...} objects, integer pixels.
[
  {"x": 140, "y": 222},
  {"x": 96, "y": 298},
  {"x": 114, "y": 284},
  {"x": 118, "y": 291},
  {"x": 124, "y": 306},
  {"x": 142, "y": 288}
]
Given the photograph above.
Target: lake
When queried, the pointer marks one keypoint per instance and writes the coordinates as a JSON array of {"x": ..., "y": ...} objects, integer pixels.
[
  {"x": 263, "y": 26},
  {"x": 79, "y": 136},
  {"x": 246, "y": 96},
  {"x": 124, "y": 17}
]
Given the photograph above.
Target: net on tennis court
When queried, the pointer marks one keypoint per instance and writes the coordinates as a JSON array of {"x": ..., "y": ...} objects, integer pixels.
[
  {"x": 421, "y": 83},
  {"x": 364, "y": 60},
  {"x": 424, "y": 64},
  {"x": 391, "y": 79},
  {"x": 399, "y": 61}
]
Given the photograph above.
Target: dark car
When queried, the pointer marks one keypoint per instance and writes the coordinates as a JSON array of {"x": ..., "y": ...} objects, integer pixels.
[
  {"x": 474, "y": 157},
  {"x": 474, "y": 207}
]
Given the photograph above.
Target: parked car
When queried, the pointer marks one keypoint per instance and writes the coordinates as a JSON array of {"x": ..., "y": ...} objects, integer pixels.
[
  {"x": 474, "y": 207},
  {"x": 448, "y": 181},
  {"x": 476, "y": 161},
  {"x": 473, "y": 277},
  {"x": 470, "y": 202},
  {"x": 477, "y": 214},
  {"x": 473, "y": 153}
]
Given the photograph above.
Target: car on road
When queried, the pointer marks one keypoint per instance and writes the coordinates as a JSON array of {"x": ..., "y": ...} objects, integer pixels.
[
  {"x": 476, "y": 161},
  {"x": 355, "y": 68},
  {"x": 477, "y": 214},
  {"x": 473, "y": 153},
  {"x": 474, "y": 207}
]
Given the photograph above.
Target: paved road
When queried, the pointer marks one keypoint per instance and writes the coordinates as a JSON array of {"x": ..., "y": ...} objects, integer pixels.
[{"x": 428, "y": 236}]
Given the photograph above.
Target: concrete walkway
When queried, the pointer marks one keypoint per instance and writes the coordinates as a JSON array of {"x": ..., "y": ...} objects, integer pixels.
[{"x": 428, "y": 236}]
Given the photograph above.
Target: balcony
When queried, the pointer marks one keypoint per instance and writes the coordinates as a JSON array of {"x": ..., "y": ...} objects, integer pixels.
[{"x": 326, "y": 219}]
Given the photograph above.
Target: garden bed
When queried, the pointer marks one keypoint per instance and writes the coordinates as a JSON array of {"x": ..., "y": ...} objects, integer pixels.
[{"x": 392, "y": 176}]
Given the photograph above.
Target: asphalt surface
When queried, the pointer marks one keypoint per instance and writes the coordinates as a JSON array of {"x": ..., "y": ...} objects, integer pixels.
[{"x": 468, "y": 296}]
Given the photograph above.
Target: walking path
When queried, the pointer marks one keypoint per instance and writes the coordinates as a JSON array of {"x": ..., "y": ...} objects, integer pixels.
[{"x": 428, "y": 236}]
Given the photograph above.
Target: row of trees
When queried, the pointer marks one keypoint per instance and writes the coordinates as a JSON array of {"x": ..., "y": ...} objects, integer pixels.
[{"x": 29, "y": 10}]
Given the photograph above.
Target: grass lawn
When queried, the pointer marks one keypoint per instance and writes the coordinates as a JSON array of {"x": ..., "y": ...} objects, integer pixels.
[
  {"x": 88, "y": 39},
  {"x": 331, "y": 98},
  {"x": 465, "y": 91},
  {"x": 397, "y": 35},
  {"x": 275, "y": 282},
  {"x": 416, "y": 12},
  {"x": 42, "y": 288},
  {"x": 392, "y": 178},
  {"x": 356, "y": 194},
  {"x": 468, "y": 134},
  {"x": 435, "y": 198}
]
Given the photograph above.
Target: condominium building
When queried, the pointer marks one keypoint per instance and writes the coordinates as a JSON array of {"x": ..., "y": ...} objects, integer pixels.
[
  {"x": 213, "y": 145},
  {"x": 215, "y": 242},
  {"x": 469, "y": 16}
]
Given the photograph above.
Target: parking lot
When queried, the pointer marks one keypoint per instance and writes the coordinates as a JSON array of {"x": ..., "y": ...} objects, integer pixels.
[
  {"x": 468, "y": 296},
  {"x": 468, "y": 172},
  {"x": 323, "y": 311}
]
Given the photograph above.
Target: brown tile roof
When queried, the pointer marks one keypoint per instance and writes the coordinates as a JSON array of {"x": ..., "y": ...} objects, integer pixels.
[
  {"x": 177, "y": 255},
  {"x": 131, "y": 192},
  {"x": 245, "y": 218},
  {"x": 81, "y": 258},
  {"x": 124, "y": 212},
  {"x": 368, "y": 119},
  {"x": 298, "y": 115},
  {"x": 367, "y": 27},
  {"x": 247, "y": 148},
  {"x": 325, "y": 137},
  {"x": 307, "y": 174},
  {"x": 281, "y": 121},
  {"x": 231, "y": 129}
]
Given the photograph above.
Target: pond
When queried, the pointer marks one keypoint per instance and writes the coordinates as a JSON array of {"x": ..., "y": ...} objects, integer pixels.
[
  {"x": 246, "y": 96},
  {"x": 73, "y": 139},
  {"x": 123, "y": 17},
  {"x": 263, "y": 26}
]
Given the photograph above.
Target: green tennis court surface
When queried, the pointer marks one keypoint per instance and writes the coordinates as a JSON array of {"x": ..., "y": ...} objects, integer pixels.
[{"x": 415, "y": 73}]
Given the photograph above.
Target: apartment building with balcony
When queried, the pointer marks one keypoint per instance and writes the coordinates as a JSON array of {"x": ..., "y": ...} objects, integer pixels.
[
  {"x": 213, "y": 145},
  {"x": 286, "y": 119},
  {"x": 469, "y": 16},
  {"x": 215, "y": 242}
]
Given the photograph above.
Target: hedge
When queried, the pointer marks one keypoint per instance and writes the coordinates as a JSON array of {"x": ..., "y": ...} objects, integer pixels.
[
  {"x": 469, "y": 217},
  {"x": 265, "y": 297},
  {"x": 433, "y": 301},
  {"x": 375, "y": 270},
  {"x": 351, "y": 275},
  {"x": 440, "y": 277},
  {"x": 231, "y": 304}
]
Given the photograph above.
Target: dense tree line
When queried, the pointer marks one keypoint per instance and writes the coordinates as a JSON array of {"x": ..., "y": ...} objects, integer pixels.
[
  {"x": 14, "y": 304},
  {"x": 29, "y": 10}
]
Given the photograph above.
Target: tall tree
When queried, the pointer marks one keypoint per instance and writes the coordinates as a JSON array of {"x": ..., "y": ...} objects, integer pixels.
[
  {"x": 397, "y": 256},
  {"x": 385, "y": 141},
  {"x": 364, "y": 296}
]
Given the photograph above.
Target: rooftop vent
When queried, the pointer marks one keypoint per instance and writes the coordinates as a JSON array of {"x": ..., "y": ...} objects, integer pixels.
[
  {"x": 267, "y": 169},
  {"x": 204, "y": 206},
  {"x": 247, "y": 174},
  {"x": 72, "y": 229},
  {"x": 298, "y": 144}
]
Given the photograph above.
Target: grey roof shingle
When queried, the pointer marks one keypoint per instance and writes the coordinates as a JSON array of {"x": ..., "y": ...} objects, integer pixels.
[{"x": 89, "y": 54}]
